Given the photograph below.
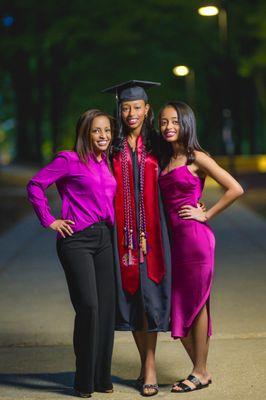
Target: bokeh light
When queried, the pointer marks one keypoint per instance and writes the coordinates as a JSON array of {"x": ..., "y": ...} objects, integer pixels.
[
  {"x": 180, "y": 70},
  {"x": 208, "y": 11},
  {"x": 8, "y": 20}
]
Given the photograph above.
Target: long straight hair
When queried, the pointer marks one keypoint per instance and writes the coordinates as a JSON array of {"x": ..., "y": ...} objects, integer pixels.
[
  {"x": 83, "y": 143},
  {"x": 187, "y": 134},
  {"x": 148, "y": 131}
]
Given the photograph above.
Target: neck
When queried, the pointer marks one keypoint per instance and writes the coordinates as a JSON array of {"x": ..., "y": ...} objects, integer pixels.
[
  {"x": 178, "y": 149},
  {"x": 98, "y": 155},
  {"x": 134, "y": 134}
]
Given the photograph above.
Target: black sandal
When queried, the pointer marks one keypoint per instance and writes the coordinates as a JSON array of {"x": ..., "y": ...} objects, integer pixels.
[
  {"x": 181, "y": 380},
  {"x": 139, "y": 383},
  {"x": 155, "y": 387},
  {"x": 104, "y": 390},
  {"x": 83, "y": 395},
  {"x": 185, "y": 388}
]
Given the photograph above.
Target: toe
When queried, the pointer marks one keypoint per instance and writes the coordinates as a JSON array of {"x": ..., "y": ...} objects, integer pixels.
[{"x": 176, "y": 388}]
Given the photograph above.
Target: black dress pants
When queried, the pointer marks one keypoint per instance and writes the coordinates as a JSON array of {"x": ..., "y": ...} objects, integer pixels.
[{"x": 87, "y": 259}]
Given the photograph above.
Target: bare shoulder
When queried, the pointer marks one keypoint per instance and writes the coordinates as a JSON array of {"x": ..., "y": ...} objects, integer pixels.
[
  {"x": 208, "y": 166},
  {"x": 203, "y": 160},
  {"x": 200, "y": 156}
]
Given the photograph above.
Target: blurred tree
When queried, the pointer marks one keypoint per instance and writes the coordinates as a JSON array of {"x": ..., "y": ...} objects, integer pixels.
[
  {"x": 252, "y": 67},
  {"x": 59, "y": 55}
]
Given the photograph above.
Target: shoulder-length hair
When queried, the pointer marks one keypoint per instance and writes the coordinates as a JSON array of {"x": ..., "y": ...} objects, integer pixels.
[
  {"x": 187, "y": 134},
  {"x": 148, "y": 131},
  {"x": 83, "y": 142}
]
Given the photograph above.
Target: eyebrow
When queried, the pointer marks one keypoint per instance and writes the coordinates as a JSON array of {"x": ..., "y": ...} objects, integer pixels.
[
  {"x": 170, "y": 118},
  {"x": 98, "y": 127}
]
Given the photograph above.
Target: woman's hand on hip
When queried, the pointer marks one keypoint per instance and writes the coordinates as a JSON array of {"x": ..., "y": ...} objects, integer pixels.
[
  {"x": 202, "y": 206},
  {"x": 189, "y": 212},
  {"x": 63, "y": 227}
]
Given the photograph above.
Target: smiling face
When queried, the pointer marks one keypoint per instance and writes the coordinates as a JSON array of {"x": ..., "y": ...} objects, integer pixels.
[
  {"x": 100, "y": 133},
  {"x": 169, "y": 124},
  {"x": 134, "y": 112}
]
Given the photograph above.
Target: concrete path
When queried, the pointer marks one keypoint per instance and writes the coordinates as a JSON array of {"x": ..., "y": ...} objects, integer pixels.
[{"x": 36, "y": 318}]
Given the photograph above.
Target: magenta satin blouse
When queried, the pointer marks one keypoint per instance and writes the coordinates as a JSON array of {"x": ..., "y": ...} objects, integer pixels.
[{"x": 87, "y": 191}]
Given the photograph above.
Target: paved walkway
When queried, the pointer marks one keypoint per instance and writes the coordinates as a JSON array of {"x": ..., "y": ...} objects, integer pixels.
[{"x": 36, "y": 359}]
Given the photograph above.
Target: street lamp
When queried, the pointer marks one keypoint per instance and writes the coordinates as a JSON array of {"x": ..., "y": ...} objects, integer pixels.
[
  {"x": 208, "y": 11},
  {"x": 211, "y": 11},
  {"x": 189, "y": 74},
  {"x": 181, "y": 70}
]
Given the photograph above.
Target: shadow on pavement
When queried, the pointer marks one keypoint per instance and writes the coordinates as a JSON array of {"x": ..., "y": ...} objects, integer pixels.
[{"x": 60, "y": 383}]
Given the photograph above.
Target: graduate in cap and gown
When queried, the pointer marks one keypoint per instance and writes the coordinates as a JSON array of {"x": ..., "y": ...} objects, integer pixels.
[{"x": 142, "y": 252}]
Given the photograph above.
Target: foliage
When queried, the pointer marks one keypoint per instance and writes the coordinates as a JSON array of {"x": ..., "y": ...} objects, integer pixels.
[{"x": 59, "y": 55}]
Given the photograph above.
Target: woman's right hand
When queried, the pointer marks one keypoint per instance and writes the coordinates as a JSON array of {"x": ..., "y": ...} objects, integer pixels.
[{"x": 63, "y": 226}]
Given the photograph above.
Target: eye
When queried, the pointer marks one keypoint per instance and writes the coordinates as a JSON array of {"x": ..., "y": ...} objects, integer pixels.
[
  {"x": 96, "y": 130},
  {"x": 125, "y": 109},
  {"x": 175, "y": 122}
]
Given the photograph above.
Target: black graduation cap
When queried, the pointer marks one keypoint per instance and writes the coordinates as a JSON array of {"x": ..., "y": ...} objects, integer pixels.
[{"x": 131, "y": 90}]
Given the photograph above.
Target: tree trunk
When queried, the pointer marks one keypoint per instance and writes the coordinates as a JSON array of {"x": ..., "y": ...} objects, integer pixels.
[
  {"x": 56, "y": 100},
  {"x": 22, "y": 83}
]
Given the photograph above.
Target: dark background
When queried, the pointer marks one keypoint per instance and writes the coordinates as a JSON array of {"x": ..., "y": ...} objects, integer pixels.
[{"x": 56, "y": 56}]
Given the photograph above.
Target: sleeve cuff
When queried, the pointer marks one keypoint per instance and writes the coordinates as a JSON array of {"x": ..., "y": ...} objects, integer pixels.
[{"x": 48, "y": 222}]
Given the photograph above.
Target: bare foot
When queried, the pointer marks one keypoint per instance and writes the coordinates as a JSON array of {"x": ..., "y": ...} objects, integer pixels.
[{"x": 150, "y": 386}]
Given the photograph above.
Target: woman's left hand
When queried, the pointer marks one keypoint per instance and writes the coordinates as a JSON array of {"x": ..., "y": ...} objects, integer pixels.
[{"x": 189, "y": 212}]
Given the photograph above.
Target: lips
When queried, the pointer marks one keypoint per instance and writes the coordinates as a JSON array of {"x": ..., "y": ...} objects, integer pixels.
[
  {"x": 169, "y": 134},
  {"x": 132, "y": 121},
  {"x": 102, "y": 142}
]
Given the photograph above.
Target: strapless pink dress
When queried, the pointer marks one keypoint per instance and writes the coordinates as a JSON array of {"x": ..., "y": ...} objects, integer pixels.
[{"x": 192, "y": 251}]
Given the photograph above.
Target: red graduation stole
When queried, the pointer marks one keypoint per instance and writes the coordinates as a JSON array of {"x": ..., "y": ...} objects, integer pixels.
[{"x": 131, "y": 247}]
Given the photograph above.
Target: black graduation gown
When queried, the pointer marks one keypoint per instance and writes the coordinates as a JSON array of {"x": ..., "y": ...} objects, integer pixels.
[{"x": 151, "y": 298}]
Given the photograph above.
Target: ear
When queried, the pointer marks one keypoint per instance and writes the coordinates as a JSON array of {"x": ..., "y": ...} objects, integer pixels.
[{"x": 147, "y": 107}]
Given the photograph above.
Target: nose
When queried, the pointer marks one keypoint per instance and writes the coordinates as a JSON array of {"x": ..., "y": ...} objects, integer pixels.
[
  {"x": 169, "y": 125},
  {"x": 130, "y": 113},
  {"x": 102, "y": 135}
]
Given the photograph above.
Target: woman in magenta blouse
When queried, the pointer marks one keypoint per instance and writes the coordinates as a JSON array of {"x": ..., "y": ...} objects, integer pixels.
[{"x": 87, "y": 188}]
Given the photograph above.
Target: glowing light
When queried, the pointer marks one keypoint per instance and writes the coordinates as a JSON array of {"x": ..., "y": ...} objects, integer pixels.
[
  {"x": 208, "y": 11},
  {"x": 8, "y": 20},
  {"x": 262, "y": 164},
  {"x": 180, "y": 70}
]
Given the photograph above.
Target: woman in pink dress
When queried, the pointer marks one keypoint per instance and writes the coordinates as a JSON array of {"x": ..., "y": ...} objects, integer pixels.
[{"x": 185, "y": 165}]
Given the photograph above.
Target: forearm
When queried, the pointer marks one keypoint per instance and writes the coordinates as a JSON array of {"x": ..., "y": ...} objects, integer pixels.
[
  {"x": 39, "y": 201},
  {"x": 38, "y": 185},
  {"x": 225, "y": 201}
]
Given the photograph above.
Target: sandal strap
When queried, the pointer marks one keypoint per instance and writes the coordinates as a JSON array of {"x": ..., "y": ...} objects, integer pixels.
[
  {"x": 184, "y": 387},
  {"x": 151, "y": 386},
  {"x": 193, "y": 379}
]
